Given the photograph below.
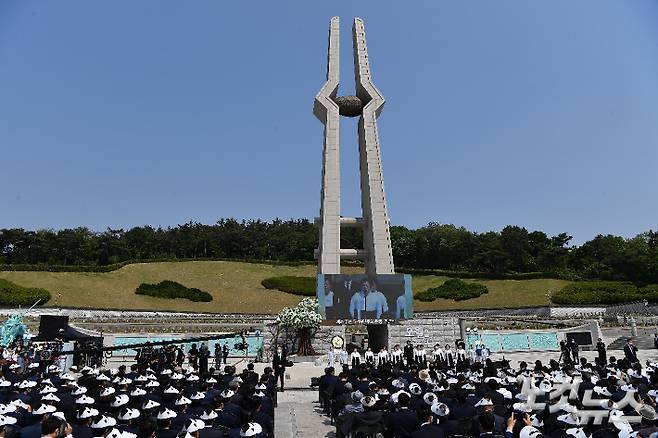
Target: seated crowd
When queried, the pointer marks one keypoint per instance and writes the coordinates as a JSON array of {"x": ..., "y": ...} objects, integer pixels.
[
  {"x": 153, "y": 398},
  {"x": 422, "y": 395}
]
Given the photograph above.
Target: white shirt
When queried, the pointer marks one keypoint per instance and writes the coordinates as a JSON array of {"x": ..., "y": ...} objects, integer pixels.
[{"x": 329, "y": 299}]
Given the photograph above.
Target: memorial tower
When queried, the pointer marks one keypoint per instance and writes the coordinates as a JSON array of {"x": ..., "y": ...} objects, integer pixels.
[{"x": 367, "y": 105}]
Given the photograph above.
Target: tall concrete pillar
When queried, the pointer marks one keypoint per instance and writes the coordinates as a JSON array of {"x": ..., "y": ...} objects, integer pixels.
[
  {"x": 326, "y": 109},
  {"x": 367, "y": 104}
]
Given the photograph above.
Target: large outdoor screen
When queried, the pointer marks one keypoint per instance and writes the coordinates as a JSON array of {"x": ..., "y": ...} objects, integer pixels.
[{"x": 361, "y": 297}]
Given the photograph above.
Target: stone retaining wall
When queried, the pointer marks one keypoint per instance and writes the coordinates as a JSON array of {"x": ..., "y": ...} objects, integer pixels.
[{"x": 428, "y": 331}]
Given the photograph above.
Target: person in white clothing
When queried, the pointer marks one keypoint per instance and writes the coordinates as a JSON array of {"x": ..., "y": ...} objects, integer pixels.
[
  {"x": 396, "y": 355},
  {"x": 382, "y": 356},
  {"x": 437, "y": 354},
  {"x": 369, "y": 356},
  {"x": 355, "y": 358},
  {"x": 420, "y": 355}
]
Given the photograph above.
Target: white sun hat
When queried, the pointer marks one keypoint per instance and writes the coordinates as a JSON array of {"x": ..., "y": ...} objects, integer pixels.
[
  {"x": 529, "y": 432},
  {"x": 198, "y": 396},
  {"x": 47, "y": 390},
  {"x": 484, "y": 402},
  {"x": 569, "y": 418},
  {"x": 67, "y": 376},
  {"x": 150, "y": 404},
  {"x": 84, "y": 400},
  {"x": 51, "y": 397},
  {"x": 522, "y": 407},
  {"x": 601, "y": 390},
  {"x": 87, "y": 413},
  {"x": 227, "y": 393},
  {"x": 79, "y": 390},
  {"x": 252, "y": 429},
  {"x": 208, "y": 415},
  {"x": 7, "y": 409},
  {"x": 415, "y": 389},
  {"x": 103, "y": 422},
  {"x": 129, "y": 414},
  {"x": 120, "y": 400},
  {"x": 576, "y": 432},
  {"x": 60, "y": 415},
  {"x": 182, "y": 400},
  {"x": 166, "y": 414},
  {"x": 44, "y": 409},
  {"x": 193, "y": 425},
  {"x": 536, "y": 421},
  {"x": 171, "y": 390},
  {"x": 107, "y": 391},
  {"x": 6, "y": 420},
  {"x": 429, "y": 398},
  {"x": 440, "y": 409},
  {"x": 20, "y": 404}
]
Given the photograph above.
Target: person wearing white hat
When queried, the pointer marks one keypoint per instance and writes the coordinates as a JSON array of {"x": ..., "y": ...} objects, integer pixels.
[
  {"x": 428, "y": 427},
  {"x": 251, "y": 430},
  {"x": 101, "y": 425},
  {"x": 164, "y": 420}
]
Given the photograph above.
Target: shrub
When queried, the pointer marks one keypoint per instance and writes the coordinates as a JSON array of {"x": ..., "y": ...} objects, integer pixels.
[
  {"x": 171, "y": 289},
  {"x": 292, "y": 284},
  {"x": 12, "y": 294},
  {"x": 602, "y": 292},
  {"x": 649, "y": 293},
  {"x": 454, "y": 289}
]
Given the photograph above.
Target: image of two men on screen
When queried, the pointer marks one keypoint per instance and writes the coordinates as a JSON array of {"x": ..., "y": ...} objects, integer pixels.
[{"x": 358, "y": 297}]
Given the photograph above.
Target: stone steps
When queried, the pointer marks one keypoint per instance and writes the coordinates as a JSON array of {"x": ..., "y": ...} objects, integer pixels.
[
  {"x": 641, "y": 342},
  {"x": 298, "y": 414}
]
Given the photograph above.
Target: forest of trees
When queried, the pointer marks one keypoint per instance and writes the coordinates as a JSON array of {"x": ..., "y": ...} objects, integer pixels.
[{"x": 435, "y": 246}]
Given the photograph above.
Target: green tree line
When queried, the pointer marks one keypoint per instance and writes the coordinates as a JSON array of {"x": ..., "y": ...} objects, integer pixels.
[{"x": 514, "y": 249}]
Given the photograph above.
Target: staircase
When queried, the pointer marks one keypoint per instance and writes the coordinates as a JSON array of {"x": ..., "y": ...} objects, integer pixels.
[{"x": 641, "y": 342}]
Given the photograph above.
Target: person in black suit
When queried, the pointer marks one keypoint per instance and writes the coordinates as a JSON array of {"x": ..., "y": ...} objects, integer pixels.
[
  {"x": 630, "y": 351},
  {"x": 409, "y": 353},
  {"x": 600, "y": 348},
  {"x": 279, "y": 364},
  {"x": 403, "y": 421},
  {"x": 428, "y": 429},
  {"x": 204, "y": 354}
]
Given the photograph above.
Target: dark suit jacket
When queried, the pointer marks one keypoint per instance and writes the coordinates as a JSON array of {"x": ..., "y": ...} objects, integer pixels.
[
  {"x": 401, "y": 423},
  {"x": 279, "y": 361},
  {"x": 31, "y": 431},
  {"x": 82, "y": 432},
  {"x": 428, "y": 431}
]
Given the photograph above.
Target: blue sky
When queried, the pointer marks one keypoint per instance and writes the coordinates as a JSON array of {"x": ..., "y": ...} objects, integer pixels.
[{"x": 124, "y": 113}]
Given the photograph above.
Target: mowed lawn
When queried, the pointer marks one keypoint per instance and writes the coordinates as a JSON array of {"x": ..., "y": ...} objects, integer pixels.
[
  {"x": 502, "y": 294},
  {"x": 236, "y": 288}
]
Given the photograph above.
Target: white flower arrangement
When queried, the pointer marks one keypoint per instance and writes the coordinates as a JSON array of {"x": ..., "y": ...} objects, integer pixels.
[{"x": 304, "y": 315}]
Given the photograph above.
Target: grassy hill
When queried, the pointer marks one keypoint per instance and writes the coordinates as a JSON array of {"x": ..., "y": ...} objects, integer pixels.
[{"x": 236, "y": 288}]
